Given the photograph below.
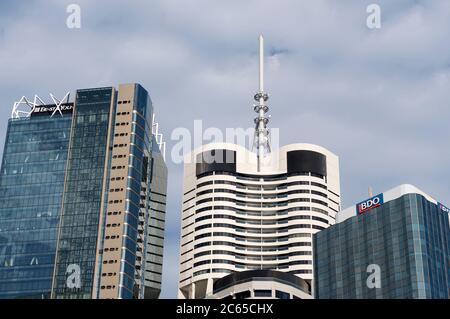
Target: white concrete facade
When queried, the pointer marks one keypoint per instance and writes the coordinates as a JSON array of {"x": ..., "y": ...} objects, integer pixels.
[
  {"x": 249, "y": 220},
  {"x": 252, "y": 287}
]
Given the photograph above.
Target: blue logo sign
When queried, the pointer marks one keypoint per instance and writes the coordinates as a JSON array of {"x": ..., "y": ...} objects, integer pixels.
[{"x": 370, "y": 203}]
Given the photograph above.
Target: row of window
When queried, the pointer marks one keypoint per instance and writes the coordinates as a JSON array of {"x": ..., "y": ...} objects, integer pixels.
[
  {"x": 258, "y": 230},
  {"x": 261, "y": 293},
  {"x": 281, "y": 186},
  {"x": 262, "y": 196},
  {"x": 253, "y": 248},
  {"x": 245, "y": 265},
  {"x": 253, "y": 257},
  {"x": 247, "y": 177},
  {"x": 256, "y": 239},
  {"x": 261, "y": 222},
  {"x": 120, "y": 156},
  {"x": 263, "y": 205},
  {"x": 228, "y": 271},
  {"x": 120, "y": 134},
  {"x": 259, "y": 213}
]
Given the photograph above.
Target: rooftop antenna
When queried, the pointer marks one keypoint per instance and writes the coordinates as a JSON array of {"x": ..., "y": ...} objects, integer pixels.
[
  {"x": 370, "y": 191},
  {"x": 261, "y": 137}
]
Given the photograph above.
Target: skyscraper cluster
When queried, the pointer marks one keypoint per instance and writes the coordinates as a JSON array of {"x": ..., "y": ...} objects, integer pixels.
[
  {"x": 83, "y": 192},
  {"x": 268, "y": 224}
]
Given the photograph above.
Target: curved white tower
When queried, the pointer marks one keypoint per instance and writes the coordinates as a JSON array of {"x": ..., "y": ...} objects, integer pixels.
[
  {"x": 235, "y": 218},
  {"x": 255, "y": 212}
]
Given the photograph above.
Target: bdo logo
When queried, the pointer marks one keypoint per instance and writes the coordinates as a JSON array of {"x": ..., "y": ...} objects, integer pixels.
[{"x": 370, "y": 204}]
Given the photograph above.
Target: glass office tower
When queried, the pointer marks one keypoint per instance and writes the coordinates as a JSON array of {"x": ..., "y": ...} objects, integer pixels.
[
  {"x": 394, "y": 245},
  {"x": 75, "y": 198}
]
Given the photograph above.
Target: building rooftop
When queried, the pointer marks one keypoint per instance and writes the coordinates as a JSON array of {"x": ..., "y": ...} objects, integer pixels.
[{"x": 379, "y": 199}]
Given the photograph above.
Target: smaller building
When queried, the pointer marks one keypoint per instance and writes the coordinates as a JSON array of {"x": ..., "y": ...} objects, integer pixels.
[
  {"x": 395, "y": 245},
  {"x": 261, "y": 284}
]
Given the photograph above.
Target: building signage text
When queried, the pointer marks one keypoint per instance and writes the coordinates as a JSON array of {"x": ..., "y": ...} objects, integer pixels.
[
  {"x": 370, "y": 203},
  {"x": 52, "y": 108}
]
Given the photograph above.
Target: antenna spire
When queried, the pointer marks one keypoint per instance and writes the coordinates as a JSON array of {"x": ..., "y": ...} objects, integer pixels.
[
  {"x": 261, "y": 138},
  {"x": 261, "y": 63}
]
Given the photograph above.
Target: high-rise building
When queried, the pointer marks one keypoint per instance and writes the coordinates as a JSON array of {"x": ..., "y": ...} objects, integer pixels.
[
  {"x": 393, "y": 245},
  {"x": 248, "y": 217},
  {"x": 82, "y": 197}
]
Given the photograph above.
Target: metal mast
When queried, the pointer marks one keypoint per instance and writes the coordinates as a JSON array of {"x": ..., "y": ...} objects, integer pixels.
[{"x": 261, "y": 139}]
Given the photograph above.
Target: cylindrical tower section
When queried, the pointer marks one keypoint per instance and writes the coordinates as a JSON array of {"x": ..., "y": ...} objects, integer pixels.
[{"x": 237, "y": 218}]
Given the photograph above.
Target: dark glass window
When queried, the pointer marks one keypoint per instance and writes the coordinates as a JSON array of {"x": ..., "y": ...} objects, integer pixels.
[
  {"x": 243, "y": 295},
  {"x": 263, "y": 293},
  {"x": 281, "y": 294}
]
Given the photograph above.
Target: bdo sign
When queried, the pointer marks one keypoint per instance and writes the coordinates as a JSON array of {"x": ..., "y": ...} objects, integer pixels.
[{"x": 370, "y": 203}]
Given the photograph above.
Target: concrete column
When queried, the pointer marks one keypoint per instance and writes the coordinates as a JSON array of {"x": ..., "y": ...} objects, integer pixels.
[
  {"x": 193, "y": 291},
  {"x": 209, "y": 287}
]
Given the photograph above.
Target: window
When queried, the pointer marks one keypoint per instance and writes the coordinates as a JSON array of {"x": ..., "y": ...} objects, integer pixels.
[
  {"x": 263, "y": 293},
  {"x": 281, "y": 295},
  {"x": 243, "y": 295}
]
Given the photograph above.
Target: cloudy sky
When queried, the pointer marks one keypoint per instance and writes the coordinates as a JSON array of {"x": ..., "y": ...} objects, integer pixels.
[{"x": 380, "y": 99}]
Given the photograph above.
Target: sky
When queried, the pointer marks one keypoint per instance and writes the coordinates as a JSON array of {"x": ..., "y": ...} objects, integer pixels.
[{"x": 378, "y": 98}]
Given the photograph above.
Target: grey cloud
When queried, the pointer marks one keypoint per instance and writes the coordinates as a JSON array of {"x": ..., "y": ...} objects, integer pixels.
[{"x": 377, "y": 98}]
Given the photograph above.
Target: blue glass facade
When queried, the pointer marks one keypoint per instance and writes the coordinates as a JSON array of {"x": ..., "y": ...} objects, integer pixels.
[
  {"x": 31, "y": 188},
  {"x": 138, "y": 184},
  {"x": 83, "y": 194},
  {"x": 407, "y": 238}
]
